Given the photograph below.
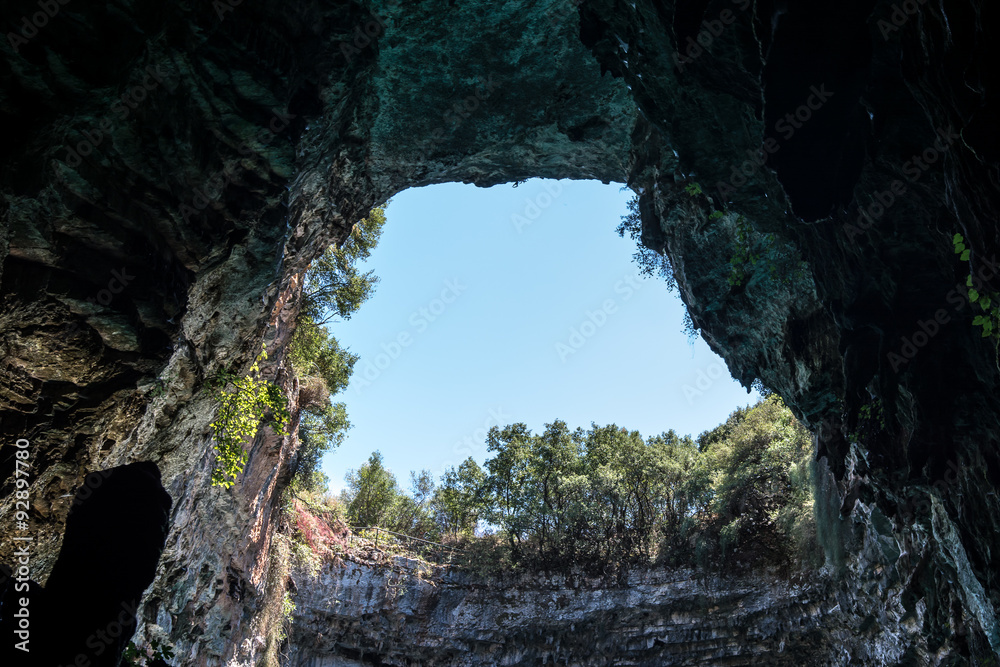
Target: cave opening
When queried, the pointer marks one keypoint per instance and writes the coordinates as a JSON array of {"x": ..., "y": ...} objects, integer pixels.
[
  {"x": 847, "y": 233},
  {"x": 526, "y": 306},
  {"x": 115, "y": 533}
]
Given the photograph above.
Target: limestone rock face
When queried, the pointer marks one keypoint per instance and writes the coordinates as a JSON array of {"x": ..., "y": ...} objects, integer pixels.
[
  {"x": 405, "y": 613},
  {"x": 170, "y": 169},
  {"x": 356, "y": 611}
]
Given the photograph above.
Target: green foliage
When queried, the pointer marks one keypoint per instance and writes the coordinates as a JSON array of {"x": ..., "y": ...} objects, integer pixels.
[
  {"x": 333, "y": 287},
  {"x": 316, "y": 355},
  {"x": 987, "y": 302},
  {"x": 159, "y": 387},
  {"x": 762, "y": 493},
  {"x": 132, "y": 656},
  {"x": 287, "y": 615},
  {"x": 760, "y": 251},
  {"x": 758, "y": 386},
  {"x": 693, "y": 189},
  {"x": 871, "y": 419},
  {"x": 321, "y": 429},
  {"x": 412, "y": 514},
  {"x": 314, "y": 352},
  {"x": 455, "y": 504},
  {"x": 372, "y": 494},
  {"x": 745, "y": 255},
  {"x": 959, "y": 242},
  {"x": 738, "y": 496},
  {"x": 651, "y": 263},
  {"x": 244, "y": 402}
]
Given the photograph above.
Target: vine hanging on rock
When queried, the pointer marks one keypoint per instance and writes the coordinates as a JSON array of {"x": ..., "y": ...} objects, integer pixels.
[{"x": 244, "y": 402}]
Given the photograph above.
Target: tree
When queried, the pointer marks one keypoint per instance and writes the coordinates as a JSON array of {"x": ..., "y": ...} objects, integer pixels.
[
  {"x": 372, "y": 493},
  {"x": 763, "y": 498},
  {"x": 414, "y": 514},
  {"x": 314, "y": 352},
  {"x": 651, "y": 263},
  {"x": 552, "y": 459},
  {"x": 457, "y": 501},
  {"x": 320, "y": 430},
  {"x": 244, "y": 402},
  {"x": 333, "y": 286},
  {"x": 737, "y": 496},
  {"x": 505, "y": 501},
  {"x": 614, "y": 463}
]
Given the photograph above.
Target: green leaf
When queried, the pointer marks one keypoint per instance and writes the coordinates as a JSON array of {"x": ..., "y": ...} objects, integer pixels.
[
  {"x": 958, "y": 238},
  {"x": 959, "y": 247},
  {"x": 973, "y": 295},
  {"x": 968, "y": 281},
  {"x": 965, "y": 255}
]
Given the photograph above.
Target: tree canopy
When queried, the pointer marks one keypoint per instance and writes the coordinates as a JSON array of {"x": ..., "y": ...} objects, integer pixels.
[
  {"x": 333, "y": 288},
  {"x": 738, "y": 495}
]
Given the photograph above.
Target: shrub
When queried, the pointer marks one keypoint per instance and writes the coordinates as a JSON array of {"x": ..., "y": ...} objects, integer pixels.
[{"x": 244, "y": 402}]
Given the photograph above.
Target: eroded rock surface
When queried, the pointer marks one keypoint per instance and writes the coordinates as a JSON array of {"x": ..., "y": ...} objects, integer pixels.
[
  {"x": 366, "y": 608},
  {"x": 170, "y": 169}
]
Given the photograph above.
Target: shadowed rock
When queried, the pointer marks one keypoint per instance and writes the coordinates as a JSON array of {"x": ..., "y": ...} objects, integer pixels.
[{"x": 86, "y": 613}]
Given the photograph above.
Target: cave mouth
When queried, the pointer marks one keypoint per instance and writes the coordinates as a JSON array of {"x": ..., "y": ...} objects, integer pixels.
[
  {"x": 524, "y": 306},
  {"x": 115, "y": 533}
]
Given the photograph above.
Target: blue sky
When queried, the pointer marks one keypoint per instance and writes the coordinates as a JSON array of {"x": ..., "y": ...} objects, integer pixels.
[{"x": 501, "y": 305}]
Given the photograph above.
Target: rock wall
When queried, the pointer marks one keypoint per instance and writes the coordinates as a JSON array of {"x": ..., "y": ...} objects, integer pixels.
[
  {"x": 359, "y": 611},
  {"x": 838, "y": 130},
  {"x": 170, "y": 169},
  {"x": 355, "y": 613}
]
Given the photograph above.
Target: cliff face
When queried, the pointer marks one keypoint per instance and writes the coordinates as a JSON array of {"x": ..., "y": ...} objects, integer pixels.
[
  {"x": 171, "y": 169},
  {"x": 405, "y": 613},
  {"x": 399, "y": 611},
  {"x": 874, "y": 159}
]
